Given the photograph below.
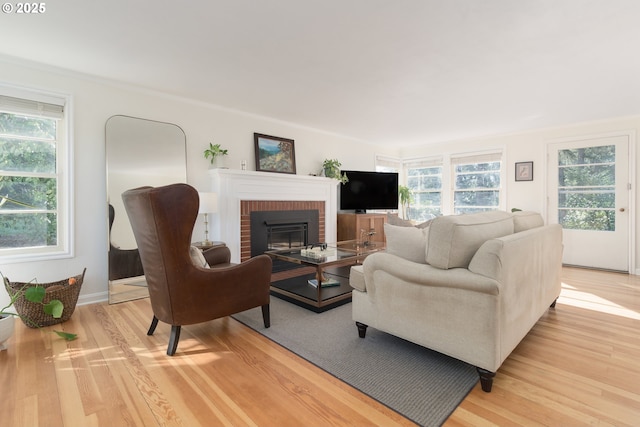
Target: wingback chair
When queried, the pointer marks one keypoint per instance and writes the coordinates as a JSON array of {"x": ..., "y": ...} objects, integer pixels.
[{"x": 182, "y": 293}]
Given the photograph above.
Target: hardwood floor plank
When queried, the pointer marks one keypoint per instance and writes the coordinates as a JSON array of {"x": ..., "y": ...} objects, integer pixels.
[{"x": 578, "y": 366}]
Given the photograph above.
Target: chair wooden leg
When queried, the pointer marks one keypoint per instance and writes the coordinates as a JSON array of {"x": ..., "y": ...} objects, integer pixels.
[
  {"x": 152, "y": 328},
  {"x": 266, "y": 315},
  {"x": 173, "y": 340},
  {"x": 553, "y": 304}
]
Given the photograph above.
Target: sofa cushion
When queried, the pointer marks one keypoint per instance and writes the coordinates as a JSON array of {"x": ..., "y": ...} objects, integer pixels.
[
  {"x": 356, "y": 278},
  {"x": 407, "y": 242},
  {"x": 525, "y": 220},
  {"x": 454, "y": 239},
  {"x": 197, "y": 258}
]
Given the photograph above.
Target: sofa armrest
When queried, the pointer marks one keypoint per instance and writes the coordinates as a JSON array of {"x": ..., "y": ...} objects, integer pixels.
[{"x": 424, "y": 274}]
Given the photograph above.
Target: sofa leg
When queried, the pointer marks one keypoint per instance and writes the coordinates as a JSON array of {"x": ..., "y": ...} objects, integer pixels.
[
  {"x": 152, "y": 328},
  {"x": 362, "y": 329},
  {"x": 553, "y": 304},
  {"x": 486, "y": 379},
  {"x": 266, "y": 315}
]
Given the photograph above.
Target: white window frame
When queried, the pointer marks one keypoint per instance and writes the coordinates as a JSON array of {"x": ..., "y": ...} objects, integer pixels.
[
  {"x": 435, "y": 161},
  {"x": 476, "y": 157},
  {"x": 64, "y": 175}
]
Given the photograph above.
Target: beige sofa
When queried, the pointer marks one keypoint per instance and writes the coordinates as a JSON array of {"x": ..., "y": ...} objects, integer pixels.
[{"x": 469, "y": 286}]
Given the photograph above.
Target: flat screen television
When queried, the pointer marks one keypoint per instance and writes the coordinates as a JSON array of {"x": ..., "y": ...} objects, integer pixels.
[{"x": 369, "y": 190}]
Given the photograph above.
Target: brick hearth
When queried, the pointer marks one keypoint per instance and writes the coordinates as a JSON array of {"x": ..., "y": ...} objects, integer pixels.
[{"x": 248, "y": 206}]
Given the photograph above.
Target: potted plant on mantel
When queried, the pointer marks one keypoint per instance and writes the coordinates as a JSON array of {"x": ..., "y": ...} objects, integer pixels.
[
  {"x": 331, "y": 169},
  {"x": 215, "y": 152}
]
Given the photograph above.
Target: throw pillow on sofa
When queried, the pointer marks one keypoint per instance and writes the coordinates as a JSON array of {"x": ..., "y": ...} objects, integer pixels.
[
  {"x": 197, "y": 258},
  {"x": 394, "y": 219},
  {"x": 407, "y": 242}
]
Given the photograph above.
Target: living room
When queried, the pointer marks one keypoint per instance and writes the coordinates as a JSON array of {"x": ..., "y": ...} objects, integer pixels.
[{"x": 95, "y": 99}]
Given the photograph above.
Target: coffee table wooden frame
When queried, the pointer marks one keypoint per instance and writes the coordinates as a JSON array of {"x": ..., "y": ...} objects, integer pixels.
[{"x": 349, "y": 252}]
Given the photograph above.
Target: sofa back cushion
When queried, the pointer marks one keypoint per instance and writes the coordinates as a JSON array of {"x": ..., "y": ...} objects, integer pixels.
[
  {"x": 454, "y": 239},
  {"x": 407, "y": 242},
  {"x": 525, "y": 220}
]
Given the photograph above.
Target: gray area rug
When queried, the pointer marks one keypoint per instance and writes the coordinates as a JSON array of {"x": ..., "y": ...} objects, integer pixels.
[{"x": 421, "y": 384}]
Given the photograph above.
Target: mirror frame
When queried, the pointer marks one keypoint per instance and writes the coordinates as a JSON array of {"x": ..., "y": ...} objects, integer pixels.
[{"x": 134, "y": 287}]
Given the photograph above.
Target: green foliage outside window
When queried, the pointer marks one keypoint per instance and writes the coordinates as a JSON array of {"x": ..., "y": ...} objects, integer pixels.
[
  {"x": 425, "y": 184},
  {"x": 28, "y": 176},
  {"x": 586, "y": 188},
  {"x": 477, "y": 187}
]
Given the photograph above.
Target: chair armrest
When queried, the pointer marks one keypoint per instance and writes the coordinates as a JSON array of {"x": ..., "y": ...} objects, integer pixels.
[{"x": 217, "y": 255}]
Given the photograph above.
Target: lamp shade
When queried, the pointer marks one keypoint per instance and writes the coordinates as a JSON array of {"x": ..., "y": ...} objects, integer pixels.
[{"x": 208, "y": 202}]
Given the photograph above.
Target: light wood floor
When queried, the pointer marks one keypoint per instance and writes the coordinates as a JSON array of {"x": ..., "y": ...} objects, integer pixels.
[{"x": 580, "y": 365}]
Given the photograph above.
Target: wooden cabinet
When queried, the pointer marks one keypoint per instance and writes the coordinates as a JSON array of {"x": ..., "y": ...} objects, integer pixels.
[{"x": 353, "y": 226}]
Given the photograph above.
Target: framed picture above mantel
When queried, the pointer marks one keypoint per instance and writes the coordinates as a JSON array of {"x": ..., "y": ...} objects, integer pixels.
[{"x": 274, "y": 154}]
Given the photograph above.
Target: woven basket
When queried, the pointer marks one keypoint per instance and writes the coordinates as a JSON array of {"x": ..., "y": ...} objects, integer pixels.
[{"x": 32, "y": 314}]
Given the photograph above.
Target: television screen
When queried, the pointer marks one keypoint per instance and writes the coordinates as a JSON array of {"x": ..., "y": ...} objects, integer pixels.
[{"x": 369, "y": 190}]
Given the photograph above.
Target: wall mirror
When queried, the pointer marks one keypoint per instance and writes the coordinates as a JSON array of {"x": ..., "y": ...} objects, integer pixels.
[{"x": 139, "y": 152}]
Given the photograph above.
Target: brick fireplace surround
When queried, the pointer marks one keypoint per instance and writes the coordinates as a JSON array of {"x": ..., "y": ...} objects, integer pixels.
[
  {"x": 240, "y": 192},
  {"x": 248, "y": 206}
]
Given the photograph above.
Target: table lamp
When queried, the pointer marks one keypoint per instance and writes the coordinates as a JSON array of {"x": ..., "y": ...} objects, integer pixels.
[{"x": 208, "y": 204}]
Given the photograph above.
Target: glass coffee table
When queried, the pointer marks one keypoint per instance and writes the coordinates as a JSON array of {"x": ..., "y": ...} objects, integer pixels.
[{"x": 328, "y": 286}]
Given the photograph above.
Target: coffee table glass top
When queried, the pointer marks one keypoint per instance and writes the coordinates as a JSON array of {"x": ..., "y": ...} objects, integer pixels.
[{"x": 327, "y": 254}]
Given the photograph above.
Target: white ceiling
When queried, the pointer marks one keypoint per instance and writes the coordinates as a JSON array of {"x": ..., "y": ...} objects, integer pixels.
[{"x": 380, "y": 71}]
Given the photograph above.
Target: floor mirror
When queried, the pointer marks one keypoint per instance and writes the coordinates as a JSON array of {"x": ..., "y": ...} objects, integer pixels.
[{"x": 139, "y": 152}]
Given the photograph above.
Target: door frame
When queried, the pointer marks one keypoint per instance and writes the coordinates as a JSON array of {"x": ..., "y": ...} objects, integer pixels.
[{"x": 631, "y": 135}]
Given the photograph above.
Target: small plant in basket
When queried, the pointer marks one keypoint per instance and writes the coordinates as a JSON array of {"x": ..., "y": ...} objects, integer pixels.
[{"x": 35, "y": 294}]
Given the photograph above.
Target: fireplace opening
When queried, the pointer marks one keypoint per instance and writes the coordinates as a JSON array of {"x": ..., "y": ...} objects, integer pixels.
[
  {"x": 286, "y": 235},
  {"x": 273, "y": 230}
]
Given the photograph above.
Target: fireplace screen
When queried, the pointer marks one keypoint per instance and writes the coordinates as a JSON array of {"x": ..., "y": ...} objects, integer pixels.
[
  {"x": 273, "y": 230},
  {"x": 287, "y": 235}
]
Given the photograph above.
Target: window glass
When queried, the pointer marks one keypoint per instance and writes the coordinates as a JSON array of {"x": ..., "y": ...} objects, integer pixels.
[
  {"x": 425, "y": 184},
  {"x": 32, "y": 190},
  {"x": 476, "y": 186},
  {"x": 586, "y": 188}
]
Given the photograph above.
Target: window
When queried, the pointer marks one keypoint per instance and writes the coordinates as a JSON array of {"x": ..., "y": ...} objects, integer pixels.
[
  {"x": 34, "y": 175},
  {"x": 455, "y": 184},
  {"x": 424, "y": 179},
  {"x": 587, "y": 188},
  {"x": 387, "y": 164},
  {"x": 477, "y": 182}
]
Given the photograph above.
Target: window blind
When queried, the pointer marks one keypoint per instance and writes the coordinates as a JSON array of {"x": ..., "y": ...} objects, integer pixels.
[{"x": 31, "y": 107}]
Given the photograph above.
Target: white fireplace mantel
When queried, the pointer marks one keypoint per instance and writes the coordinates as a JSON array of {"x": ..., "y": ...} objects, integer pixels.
[{"x": 234, "y": 186}]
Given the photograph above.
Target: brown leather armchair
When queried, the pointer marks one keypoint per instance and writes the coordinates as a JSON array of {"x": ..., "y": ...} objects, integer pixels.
[{"x": 162, "y": 219}]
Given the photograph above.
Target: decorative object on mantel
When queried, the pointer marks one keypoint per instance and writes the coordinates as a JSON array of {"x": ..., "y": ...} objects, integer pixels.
[
  {"x": 524, "y": 171},
  {"x": 44, "y": 304},
  {"x": 331, "y": 169},
  {"x": 215, "y": 151},
  {"x": 405, "y": 199},
  {"x": 274, "y": 154},
  {"x": 208, "y": 204}
]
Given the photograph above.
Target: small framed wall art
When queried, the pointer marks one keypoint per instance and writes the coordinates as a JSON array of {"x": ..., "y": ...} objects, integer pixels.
[
  {"x": 524, "y": 171},
  {"x": 274, "y": 154}
]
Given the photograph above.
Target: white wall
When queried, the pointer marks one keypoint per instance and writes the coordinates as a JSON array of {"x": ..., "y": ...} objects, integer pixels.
[
  {"x": 94, "y": 102},
  {"x": 532, "y": 146}
]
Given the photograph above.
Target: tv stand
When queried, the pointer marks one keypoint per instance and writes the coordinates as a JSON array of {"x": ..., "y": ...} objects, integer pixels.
[{"x": 361, "y": 226}]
